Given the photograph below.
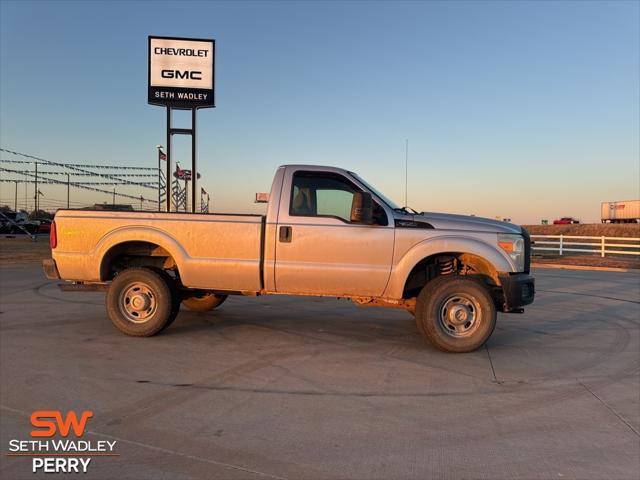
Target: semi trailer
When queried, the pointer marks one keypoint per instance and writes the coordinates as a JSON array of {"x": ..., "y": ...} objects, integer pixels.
[{"x": 626, "y": 211}]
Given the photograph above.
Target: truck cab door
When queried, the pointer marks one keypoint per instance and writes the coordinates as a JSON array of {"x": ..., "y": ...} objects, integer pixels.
[{"x": 319, "y": 251}]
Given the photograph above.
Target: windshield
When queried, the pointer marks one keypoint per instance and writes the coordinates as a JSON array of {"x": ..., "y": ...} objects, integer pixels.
[{"x": 376, "y": 192}]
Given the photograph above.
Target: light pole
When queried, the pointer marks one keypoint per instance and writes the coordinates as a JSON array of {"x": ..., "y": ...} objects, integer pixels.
[
  {"x": 68, "y": 186},
  {"x": 38, "y": 195},
  {"x": 161, "y": 157},
  {"x": 186, "y": 195},
  {"x": 35, "y": 192},
  {"x": 175, "y": 188}
]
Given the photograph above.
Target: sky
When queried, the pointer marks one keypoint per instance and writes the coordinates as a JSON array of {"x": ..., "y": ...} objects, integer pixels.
[{"x": 520, "y": 110}]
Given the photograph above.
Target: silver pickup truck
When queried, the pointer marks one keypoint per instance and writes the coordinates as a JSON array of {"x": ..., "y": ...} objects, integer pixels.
[{"x": 326, "y": 233}]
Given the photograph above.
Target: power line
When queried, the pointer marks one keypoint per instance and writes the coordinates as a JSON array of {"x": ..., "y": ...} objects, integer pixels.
[
  {"x": 140, "y": 184},
  {"x": 69, "y": 166},
  {"x": 80, "y": 185},
  {"x": 74, "y": 174},
  {"x": 151, "y": 185},
  {"x": 84, "y": 165}
]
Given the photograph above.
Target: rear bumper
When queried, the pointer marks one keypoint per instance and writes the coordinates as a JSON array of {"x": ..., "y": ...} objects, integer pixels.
[
  {"x": 50, "y": 269},
  {"x": 518, "y": 290}
]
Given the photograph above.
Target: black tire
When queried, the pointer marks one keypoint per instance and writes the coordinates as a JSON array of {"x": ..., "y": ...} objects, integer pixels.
[
  {"x": 455, "y": 314},
  {"x": 140, "y": 302},
  {"x": 204, "y": 303},
  {"x": 174, "y": 286}
]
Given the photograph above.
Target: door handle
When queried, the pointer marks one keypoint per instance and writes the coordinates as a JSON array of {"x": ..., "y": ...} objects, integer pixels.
[{"x": 285, "y": 234}]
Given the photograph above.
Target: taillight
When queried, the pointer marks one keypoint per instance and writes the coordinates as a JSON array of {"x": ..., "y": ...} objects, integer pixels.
[{"x": 53, "y": 236}]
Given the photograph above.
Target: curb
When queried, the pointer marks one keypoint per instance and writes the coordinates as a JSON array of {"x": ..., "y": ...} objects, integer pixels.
[{"x": 582, "y": 267}]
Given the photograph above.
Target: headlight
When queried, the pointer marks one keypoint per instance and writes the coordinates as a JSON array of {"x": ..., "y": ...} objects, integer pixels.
[{"x": 514, "y": 246}]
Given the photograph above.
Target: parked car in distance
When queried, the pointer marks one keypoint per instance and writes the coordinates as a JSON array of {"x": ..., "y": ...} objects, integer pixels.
[
  {"x": 566, "y": 221},
  {"x": 17, "y": 223},
  {"x": 45, "y": 226}
]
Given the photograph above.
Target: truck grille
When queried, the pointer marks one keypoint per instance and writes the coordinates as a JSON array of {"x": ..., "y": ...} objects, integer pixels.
[{"x": 527, "y": 250}]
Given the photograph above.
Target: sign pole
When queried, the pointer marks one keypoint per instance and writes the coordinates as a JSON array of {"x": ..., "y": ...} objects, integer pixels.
[
  {"x": 194, "y": 171},
  {"x": 168, "y": 176}
]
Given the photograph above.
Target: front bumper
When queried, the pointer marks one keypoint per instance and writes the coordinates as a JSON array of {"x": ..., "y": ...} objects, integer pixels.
[
  {"x": 50, "y": 269},
  {"x": 517, "y": 290}
]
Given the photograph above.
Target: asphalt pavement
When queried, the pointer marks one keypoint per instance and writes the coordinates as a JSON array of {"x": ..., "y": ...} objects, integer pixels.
[{"x": 312, "y": 388}]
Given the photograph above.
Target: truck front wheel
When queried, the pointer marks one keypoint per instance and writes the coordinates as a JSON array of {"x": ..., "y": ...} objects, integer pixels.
[
  {"x": 455, "y": 314},
  {"x": 140, "y": 302},
  {"x": 204, "y": 303}
]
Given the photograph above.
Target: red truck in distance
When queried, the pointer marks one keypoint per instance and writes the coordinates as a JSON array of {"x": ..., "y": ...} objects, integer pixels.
[{"x": 566, "y": 221}]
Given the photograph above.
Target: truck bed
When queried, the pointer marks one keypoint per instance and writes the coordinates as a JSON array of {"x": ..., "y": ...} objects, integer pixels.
[{"x": 212, "y": 251}]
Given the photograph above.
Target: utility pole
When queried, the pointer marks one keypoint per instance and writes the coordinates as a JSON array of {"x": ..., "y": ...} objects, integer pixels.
[
  {"x": 114, "y": 196},
  {"x": 26, "y": 192},
  {"x": 140, "y": 202},
  {"x": 68, "y": 187},
  {"x": 35, "y": 193},
  {"x": 15, "y": 199}
]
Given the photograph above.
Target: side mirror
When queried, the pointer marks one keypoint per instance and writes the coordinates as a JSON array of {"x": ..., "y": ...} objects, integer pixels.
[{"x": 362, "y": 208}]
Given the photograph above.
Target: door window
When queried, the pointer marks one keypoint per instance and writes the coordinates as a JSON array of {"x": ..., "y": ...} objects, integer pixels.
[
  {"x": 325, "y": 194},
  {"x": 321, "y": 194}
]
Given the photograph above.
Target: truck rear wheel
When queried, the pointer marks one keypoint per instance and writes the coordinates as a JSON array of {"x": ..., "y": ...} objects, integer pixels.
[
  {"x": 175, "y": 295},
  {"x": 140, "y": 302},
  {"x": 204, "y": 303},
  {"x": 455, "y": 314}
]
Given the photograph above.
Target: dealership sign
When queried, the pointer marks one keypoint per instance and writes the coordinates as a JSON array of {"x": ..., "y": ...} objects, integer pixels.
[{"x": 181, "y": 72}]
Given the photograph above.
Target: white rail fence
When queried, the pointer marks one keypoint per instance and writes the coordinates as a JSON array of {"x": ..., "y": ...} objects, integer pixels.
[{"x": 599, "y": 245}]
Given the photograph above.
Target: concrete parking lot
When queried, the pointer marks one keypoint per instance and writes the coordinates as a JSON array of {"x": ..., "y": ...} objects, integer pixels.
[{"x": 319, "y": 388}]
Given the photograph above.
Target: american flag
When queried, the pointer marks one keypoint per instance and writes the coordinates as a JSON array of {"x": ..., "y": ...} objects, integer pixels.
[{"x": 162, "y": 155}]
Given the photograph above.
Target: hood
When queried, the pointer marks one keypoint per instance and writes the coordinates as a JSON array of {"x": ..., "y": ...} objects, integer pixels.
[{"x": 446, "y": 221}]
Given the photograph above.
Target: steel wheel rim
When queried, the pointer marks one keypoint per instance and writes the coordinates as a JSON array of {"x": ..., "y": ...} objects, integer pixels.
[
  {"x": 138, "y": 302},
  {"x": 460, "y": 315}
]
